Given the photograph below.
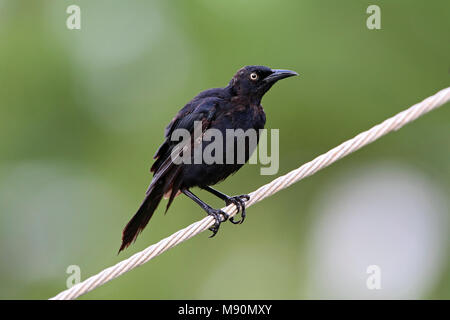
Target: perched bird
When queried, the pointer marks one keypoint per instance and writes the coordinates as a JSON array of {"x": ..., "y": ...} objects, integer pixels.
[{"x": 236, "y": 106}]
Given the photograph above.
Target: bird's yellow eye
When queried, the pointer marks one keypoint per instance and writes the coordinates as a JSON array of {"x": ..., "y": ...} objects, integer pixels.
[{"x": 254, "y": 76}]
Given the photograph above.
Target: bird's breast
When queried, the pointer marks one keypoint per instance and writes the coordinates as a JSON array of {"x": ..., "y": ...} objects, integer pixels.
[{"x": 241, "y": 117}]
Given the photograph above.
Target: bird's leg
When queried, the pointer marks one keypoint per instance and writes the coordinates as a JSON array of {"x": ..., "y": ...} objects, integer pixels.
[
  {"x": 218, "y": 214},
  {"x": 238, "y": 201}
]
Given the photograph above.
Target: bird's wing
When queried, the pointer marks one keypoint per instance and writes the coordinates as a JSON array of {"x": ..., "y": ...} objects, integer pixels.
[
  {"x": 167, "y": 178},
  {"x": 200, "y": 111},
  {"x": 169, "y": 150}
]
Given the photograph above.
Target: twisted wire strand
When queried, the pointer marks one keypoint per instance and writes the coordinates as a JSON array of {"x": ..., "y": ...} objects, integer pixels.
[{"x": 392, "y": 124}]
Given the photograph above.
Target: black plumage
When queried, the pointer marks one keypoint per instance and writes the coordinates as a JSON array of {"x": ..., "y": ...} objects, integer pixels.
[{"x": 236, "y": 106}]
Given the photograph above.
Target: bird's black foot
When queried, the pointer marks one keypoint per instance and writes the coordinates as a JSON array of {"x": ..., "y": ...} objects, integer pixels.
[
  {"x": 220, "y": 217},
  {"x": 239, "y": 202}
]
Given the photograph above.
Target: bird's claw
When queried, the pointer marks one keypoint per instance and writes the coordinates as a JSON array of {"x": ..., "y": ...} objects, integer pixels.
[
  {"x": 239, "y": 202},
  {"x": 219, "y": 217}
]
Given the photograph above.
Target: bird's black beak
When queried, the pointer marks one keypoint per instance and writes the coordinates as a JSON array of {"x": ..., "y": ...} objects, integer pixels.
[{"x": 279, "y": 74}]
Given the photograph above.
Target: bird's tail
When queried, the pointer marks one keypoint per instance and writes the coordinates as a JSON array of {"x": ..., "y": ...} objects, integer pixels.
[{"x": 143, "y": 215}]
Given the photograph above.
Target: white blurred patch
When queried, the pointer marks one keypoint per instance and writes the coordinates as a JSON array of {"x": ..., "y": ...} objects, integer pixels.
[
  {"x": 385, "y": 216},
  {"x": 112, "y": 33},
  {"x": 47, "y": 211},
  {"x": 127, "y": 57}
]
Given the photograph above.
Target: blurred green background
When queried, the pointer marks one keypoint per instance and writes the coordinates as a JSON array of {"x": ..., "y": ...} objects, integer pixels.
[{"x": 82, "y": 112}]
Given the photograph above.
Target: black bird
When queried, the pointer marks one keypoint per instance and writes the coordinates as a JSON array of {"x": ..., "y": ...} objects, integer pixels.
[{"x": 237, "y": 106}]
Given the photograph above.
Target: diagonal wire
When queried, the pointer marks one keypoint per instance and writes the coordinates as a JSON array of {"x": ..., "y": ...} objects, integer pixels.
[{"x": 308, "y": 169}]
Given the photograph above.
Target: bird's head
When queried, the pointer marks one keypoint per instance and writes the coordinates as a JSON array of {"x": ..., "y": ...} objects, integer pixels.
[{"x": 254, "y": 81}]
